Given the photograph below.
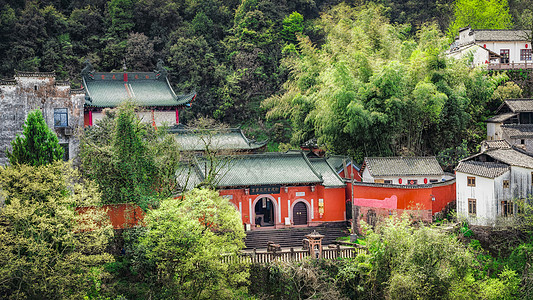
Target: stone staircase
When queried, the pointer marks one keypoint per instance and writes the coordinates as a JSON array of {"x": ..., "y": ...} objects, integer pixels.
[{"x": 292, "y": 237}]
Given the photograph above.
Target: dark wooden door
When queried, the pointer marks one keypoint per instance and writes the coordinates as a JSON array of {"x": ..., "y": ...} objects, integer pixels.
[{"x": 299, "y": 213}]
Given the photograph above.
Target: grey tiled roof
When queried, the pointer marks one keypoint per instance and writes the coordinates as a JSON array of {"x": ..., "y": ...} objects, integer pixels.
[
  {"x": 518, "y": 131},
  {"x": 225, "y": 139},
  {"x": 496, "y": 144},
  {"x": 484, "y": 169},
  {"x": 500, "y": 35},
  {"x": 330, "y": 177},
  {"x": 511, "y": 157},
  {"x": 268, "y": 168},
  {"x": 401, "y": 166},
  {"x": 501, "y": 118},
  {"x": 520, "y": 105},
  {"x": 144, "y": 89}
]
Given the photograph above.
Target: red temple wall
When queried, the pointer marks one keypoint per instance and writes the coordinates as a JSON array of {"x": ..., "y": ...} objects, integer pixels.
[
  {"x": 334, "y": 203},
  {"x": 120, "y": 215},
  {"x": 406, "y": 198}
]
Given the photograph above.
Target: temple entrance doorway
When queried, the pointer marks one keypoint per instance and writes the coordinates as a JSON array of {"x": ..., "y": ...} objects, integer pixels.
[
  {"x": 264, "y": 212},
  {"x": 299, "y": 214}
]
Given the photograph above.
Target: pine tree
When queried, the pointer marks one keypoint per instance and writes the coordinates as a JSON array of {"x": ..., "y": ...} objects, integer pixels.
[{"x": 37, "y": 146}]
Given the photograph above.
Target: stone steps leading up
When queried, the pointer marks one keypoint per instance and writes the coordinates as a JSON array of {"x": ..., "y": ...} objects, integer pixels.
[{"x": 292, "y": 237}]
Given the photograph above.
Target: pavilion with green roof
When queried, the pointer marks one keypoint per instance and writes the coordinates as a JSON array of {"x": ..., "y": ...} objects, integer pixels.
[
  {"x": 149, "y": 90},
  {"x": 222, "y": 141}
]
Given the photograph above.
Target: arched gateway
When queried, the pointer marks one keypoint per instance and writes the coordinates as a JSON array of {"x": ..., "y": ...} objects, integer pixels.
[
  {"x": 299, "y": 213},
  {"x": 265, "y": 212}
]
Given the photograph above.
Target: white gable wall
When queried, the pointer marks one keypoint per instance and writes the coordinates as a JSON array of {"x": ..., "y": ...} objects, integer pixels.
[
  {"x": 483, "y": 192},
  {"x": 480, "y": 55},
  {"x": 494, "y": 131},
  {"x": 514, "y": 49},
  {"x": 521, "y": 182}
]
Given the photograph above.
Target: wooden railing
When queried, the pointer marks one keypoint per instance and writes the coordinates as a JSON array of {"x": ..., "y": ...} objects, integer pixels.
[
  {"x": 292, "y": 255},
  {"x": 510, "y": 66}
]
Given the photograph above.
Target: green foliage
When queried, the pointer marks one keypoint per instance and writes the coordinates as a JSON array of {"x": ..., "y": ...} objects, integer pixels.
[
  {"x": 121, "y": 15},
  {"x": 185, "y": 240},
  {"x": 296, "y": 280},
  {"x": 47, "y": 250},
  {"x": 411, "y": 101},
  {"x": 130, "y": 160},
  {"x": 38, "y": 144},
  {"x": 292, "y": 24},
  {"x": 449, "y": 158},
  {"x": 480, "y": 14}
]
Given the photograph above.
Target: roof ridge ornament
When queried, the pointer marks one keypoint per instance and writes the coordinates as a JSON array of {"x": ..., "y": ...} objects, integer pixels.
[
  {"x": 88, "y": 69},
  {"x": 160, "y": 69}
]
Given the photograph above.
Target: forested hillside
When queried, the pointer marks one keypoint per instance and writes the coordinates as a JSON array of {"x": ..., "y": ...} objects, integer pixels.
[{"x": 371, "y": 72}]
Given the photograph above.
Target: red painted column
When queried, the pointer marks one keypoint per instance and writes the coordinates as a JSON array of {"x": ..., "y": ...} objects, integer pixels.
[
  {"x": 90, "y": 118},
  {"x": 177, "y": 116}
]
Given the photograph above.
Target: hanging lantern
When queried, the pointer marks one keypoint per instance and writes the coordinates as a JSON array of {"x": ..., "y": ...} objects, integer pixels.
[
  {"x": 484, "y": 45},
  {"x": 425, "y": 181},
  {"x": 400, "y": 181},
  {"x": 486, "y": 61},
  {"x": 526, "y": 46}
]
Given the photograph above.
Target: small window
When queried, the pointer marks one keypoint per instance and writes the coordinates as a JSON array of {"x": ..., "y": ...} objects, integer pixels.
[
  {"x": 379, "y": 181},
  {"x": 433, "y": 180},
  {"x": 60, "y": 117},
  {"x": 388, "y": 181},
  {"x": 525, "y": 54},
  {"x": 507, "y": 208},
  {"x": 522, "y": 142},
  {"x": 35, "y": 87},
  {"x": 412, "y": 181},
  {"x": 506, "y": 184},
  {"x": 472, "y": 206},
  {"x": 531, "y": 178},
  {"x": 471, "y": 181}
]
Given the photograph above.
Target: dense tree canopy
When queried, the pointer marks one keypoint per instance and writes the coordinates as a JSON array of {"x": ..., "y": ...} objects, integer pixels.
[
  {"x": 370, "y": 89},
  {"x": 48, "y": 250},
  {"x": 184, "y": 242},
  {"x": 131, "y": 161},
  {"x": 480, "y": 14}
]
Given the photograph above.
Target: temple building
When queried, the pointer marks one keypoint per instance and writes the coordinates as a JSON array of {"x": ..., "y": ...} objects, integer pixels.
[
  {"x": 149, "y": 90},
  {"x": 276, "y": 190}
]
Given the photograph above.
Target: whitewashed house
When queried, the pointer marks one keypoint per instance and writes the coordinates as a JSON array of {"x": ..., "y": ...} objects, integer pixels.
[
  {"x": 499, "y": 49},
  {"x": 402, "y": 170},
  {"x": 489, "y": 184},
  {"x": 62, "y": 109},
  {"x": 513, "y": 123}
]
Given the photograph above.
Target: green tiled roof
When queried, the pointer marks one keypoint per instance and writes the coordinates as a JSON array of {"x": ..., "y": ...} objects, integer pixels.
[
  {"x": 143, "y": 88},
  {"x": 225, "y": 139},
  {"x": 330, "y": 177},
  {"x": 265, "y": 169}
]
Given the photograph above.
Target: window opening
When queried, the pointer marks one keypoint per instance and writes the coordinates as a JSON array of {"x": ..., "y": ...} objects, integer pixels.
[
  {"x": 60, "y": 117},
  {"x": 472, "y": 206},
  {"x": 506, "y": 184}
]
